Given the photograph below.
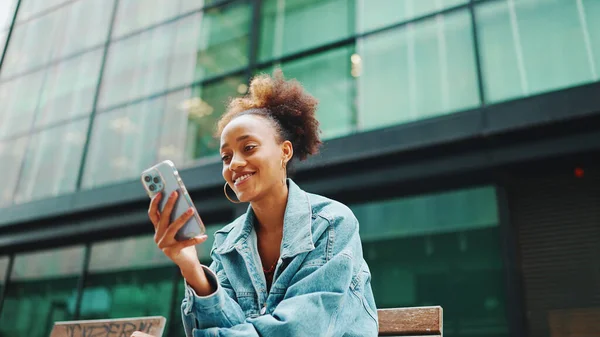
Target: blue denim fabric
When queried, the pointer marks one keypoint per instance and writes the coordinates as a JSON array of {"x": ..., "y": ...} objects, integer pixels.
[{"x": 321, "y": 286}]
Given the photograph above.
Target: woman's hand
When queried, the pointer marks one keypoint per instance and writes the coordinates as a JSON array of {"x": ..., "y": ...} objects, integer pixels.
[
  {"x": 182, "y": 253},
  {"x": 140, "y": 334}
]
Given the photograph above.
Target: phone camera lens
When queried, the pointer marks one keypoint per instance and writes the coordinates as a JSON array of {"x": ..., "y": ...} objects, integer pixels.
[
  {"x": 152, "y": 188},
  {"x": 147, "y": 179},
  {"x": 156, "y": 180}
]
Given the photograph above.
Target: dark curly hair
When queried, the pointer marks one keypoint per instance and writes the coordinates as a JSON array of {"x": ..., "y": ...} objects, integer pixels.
[{"x": 286, "y": 104}]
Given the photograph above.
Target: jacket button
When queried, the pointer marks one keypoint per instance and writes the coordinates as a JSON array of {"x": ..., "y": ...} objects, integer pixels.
[{"x": 263, "y": 310}]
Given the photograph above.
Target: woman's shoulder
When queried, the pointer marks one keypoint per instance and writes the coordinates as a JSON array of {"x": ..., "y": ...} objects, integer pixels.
[{"x": 332, "y": 210}]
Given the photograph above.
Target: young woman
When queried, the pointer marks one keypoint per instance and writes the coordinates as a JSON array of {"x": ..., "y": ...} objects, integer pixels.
[{"x": 293, "y": 264}]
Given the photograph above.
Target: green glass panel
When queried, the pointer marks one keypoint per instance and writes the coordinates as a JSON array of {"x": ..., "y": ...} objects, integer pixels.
[
  {"x": 210, "y": 43},
  {"x": 190, "y": 118},
  {"x": 69, "y": 89},
  {"x": 80, "y": 25},
  {"x": 429, "y": 214},
  {"x": 127, "y": 278},
  {"x": 289, "y": 26},
  {"x": 44, "y": 286},
  {"x": 145, "y": 292},
  {"x": 12, "y": 153},
  {"x": 179, "y": 127},
  {"x": 374, "y": 14},
  {"x": 71, "y": 28},
  {"x": 417, "y": 71},
  {"x": 123, "y": 143},
  {"x": 30, "y": 46},
  {"x": 48, "y": 168},
  {"x": 523, "y": 46},
  {"x": 137, "y": 66},
  {"x": 19, "y": 99},
  {"x": 327, "y": 76},
  {"x": 133, "y": 15},
  {"x": 439, "y": 249},
  {"x": 30, "y": 8},
  {"x": 591, "y": 24},
  {"x": 176, "y": 54}
]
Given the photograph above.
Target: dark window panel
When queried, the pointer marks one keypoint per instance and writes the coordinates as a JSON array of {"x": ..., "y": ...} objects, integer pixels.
[
  {"x": 439, "y": 249},
  {"x": 42, "y": 285}
]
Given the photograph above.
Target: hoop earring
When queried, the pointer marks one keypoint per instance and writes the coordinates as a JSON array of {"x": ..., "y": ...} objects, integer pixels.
[{"x": 227, "y": 195}]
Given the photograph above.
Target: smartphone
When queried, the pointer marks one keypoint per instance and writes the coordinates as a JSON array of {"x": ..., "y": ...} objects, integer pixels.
[{"x": 164, "y": 178}]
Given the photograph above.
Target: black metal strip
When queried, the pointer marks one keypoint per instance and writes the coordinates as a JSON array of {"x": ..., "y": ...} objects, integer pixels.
[
  {"x": 82, "y": 280},
  {"x": 95, "y": 104},
  {"x": 174, "y": 304},
  {"x": 513, "y": 282},
  {"x": 476, "y": 49},
  {"x": 11, "y": 261},
  {"x": 254, "y": 38},
  {"x": 9, "y": 35}
]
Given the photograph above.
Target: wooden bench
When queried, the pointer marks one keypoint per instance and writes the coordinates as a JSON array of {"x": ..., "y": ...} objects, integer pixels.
[{"x": 418, "y": 321}]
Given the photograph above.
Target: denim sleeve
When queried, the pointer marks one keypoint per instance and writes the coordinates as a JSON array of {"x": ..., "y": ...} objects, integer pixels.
[
  {"x": 317, "y": 301},
  {"x": 219, "y": 309}
]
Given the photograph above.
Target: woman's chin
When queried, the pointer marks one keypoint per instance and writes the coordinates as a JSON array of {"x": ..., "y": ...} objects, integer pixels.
[{"x": 245, "y": 197}]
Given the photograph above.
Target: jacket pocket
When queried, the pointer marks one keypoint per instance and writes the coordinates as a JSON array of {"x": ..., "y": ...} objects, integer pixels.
[{"x": 249, "y": 304}]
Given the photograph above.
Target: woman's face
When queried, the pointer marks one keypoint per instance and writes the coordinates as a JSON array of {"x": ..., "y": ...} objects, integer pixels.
[{"x": 253, "y": 159}]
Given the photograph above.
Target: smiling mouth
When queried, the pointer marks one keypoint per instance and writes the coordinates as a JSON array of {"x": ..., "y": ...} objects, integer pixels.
[{"x": 243, "y": 178}]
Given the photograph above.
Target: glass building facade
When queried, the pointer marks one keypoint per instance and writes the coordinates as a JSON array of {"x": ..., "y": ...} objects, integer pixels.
[{"x": 94, "y": 91}]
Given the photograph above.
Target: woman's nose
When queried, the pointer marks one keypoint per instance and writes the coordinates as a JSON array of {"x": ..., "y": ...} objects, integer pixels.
[{"x": 236, "y": 163}]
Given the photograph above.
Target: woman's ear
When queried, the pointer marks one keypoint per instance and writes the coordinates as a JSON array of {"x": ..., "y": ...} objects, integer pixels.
[{"x": 287, "y": 150}]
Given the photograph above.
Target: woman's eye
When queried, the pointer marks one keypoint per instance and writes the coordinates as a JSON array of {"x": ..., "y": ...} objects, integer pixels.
[
  {"x": 249, "y": 147},
  {"x": 225, "y": 158}
]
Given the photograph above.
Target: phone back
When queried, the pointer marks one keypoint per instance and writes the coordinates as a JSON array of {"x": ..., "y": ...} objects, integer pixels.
[{"x": 163, "y": 177}]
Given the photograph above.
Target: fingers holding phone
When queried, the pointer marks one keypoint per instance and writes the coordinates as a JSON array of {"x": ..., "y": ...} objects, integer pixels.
[{"x": 178, "y": 227}]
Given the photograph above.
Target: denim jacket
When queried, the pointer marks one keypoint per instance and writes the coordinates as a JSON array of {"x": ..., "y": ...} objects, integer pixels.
[{"x": 321, "y": 285}]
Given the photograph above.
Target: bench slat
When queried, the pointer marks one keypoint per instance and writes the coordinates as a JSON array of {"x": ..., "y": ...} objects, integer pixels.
[{"x": 417, "y": 321}]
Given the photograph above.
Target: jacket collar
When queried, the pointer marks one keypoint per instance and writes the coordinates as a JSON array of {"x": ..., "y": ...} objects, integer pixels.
[{"x": 297, "y": 226}]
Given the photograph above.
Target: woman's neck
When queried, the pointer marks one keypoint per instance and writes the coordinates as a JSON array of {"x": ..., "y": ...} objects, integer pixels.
[{"x": 270, "y": 211}]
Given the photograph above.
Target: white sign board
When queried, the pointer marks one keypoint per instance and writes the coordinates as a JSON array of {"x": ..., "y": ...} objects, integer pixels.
[{"x": 121, "y": 327}]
